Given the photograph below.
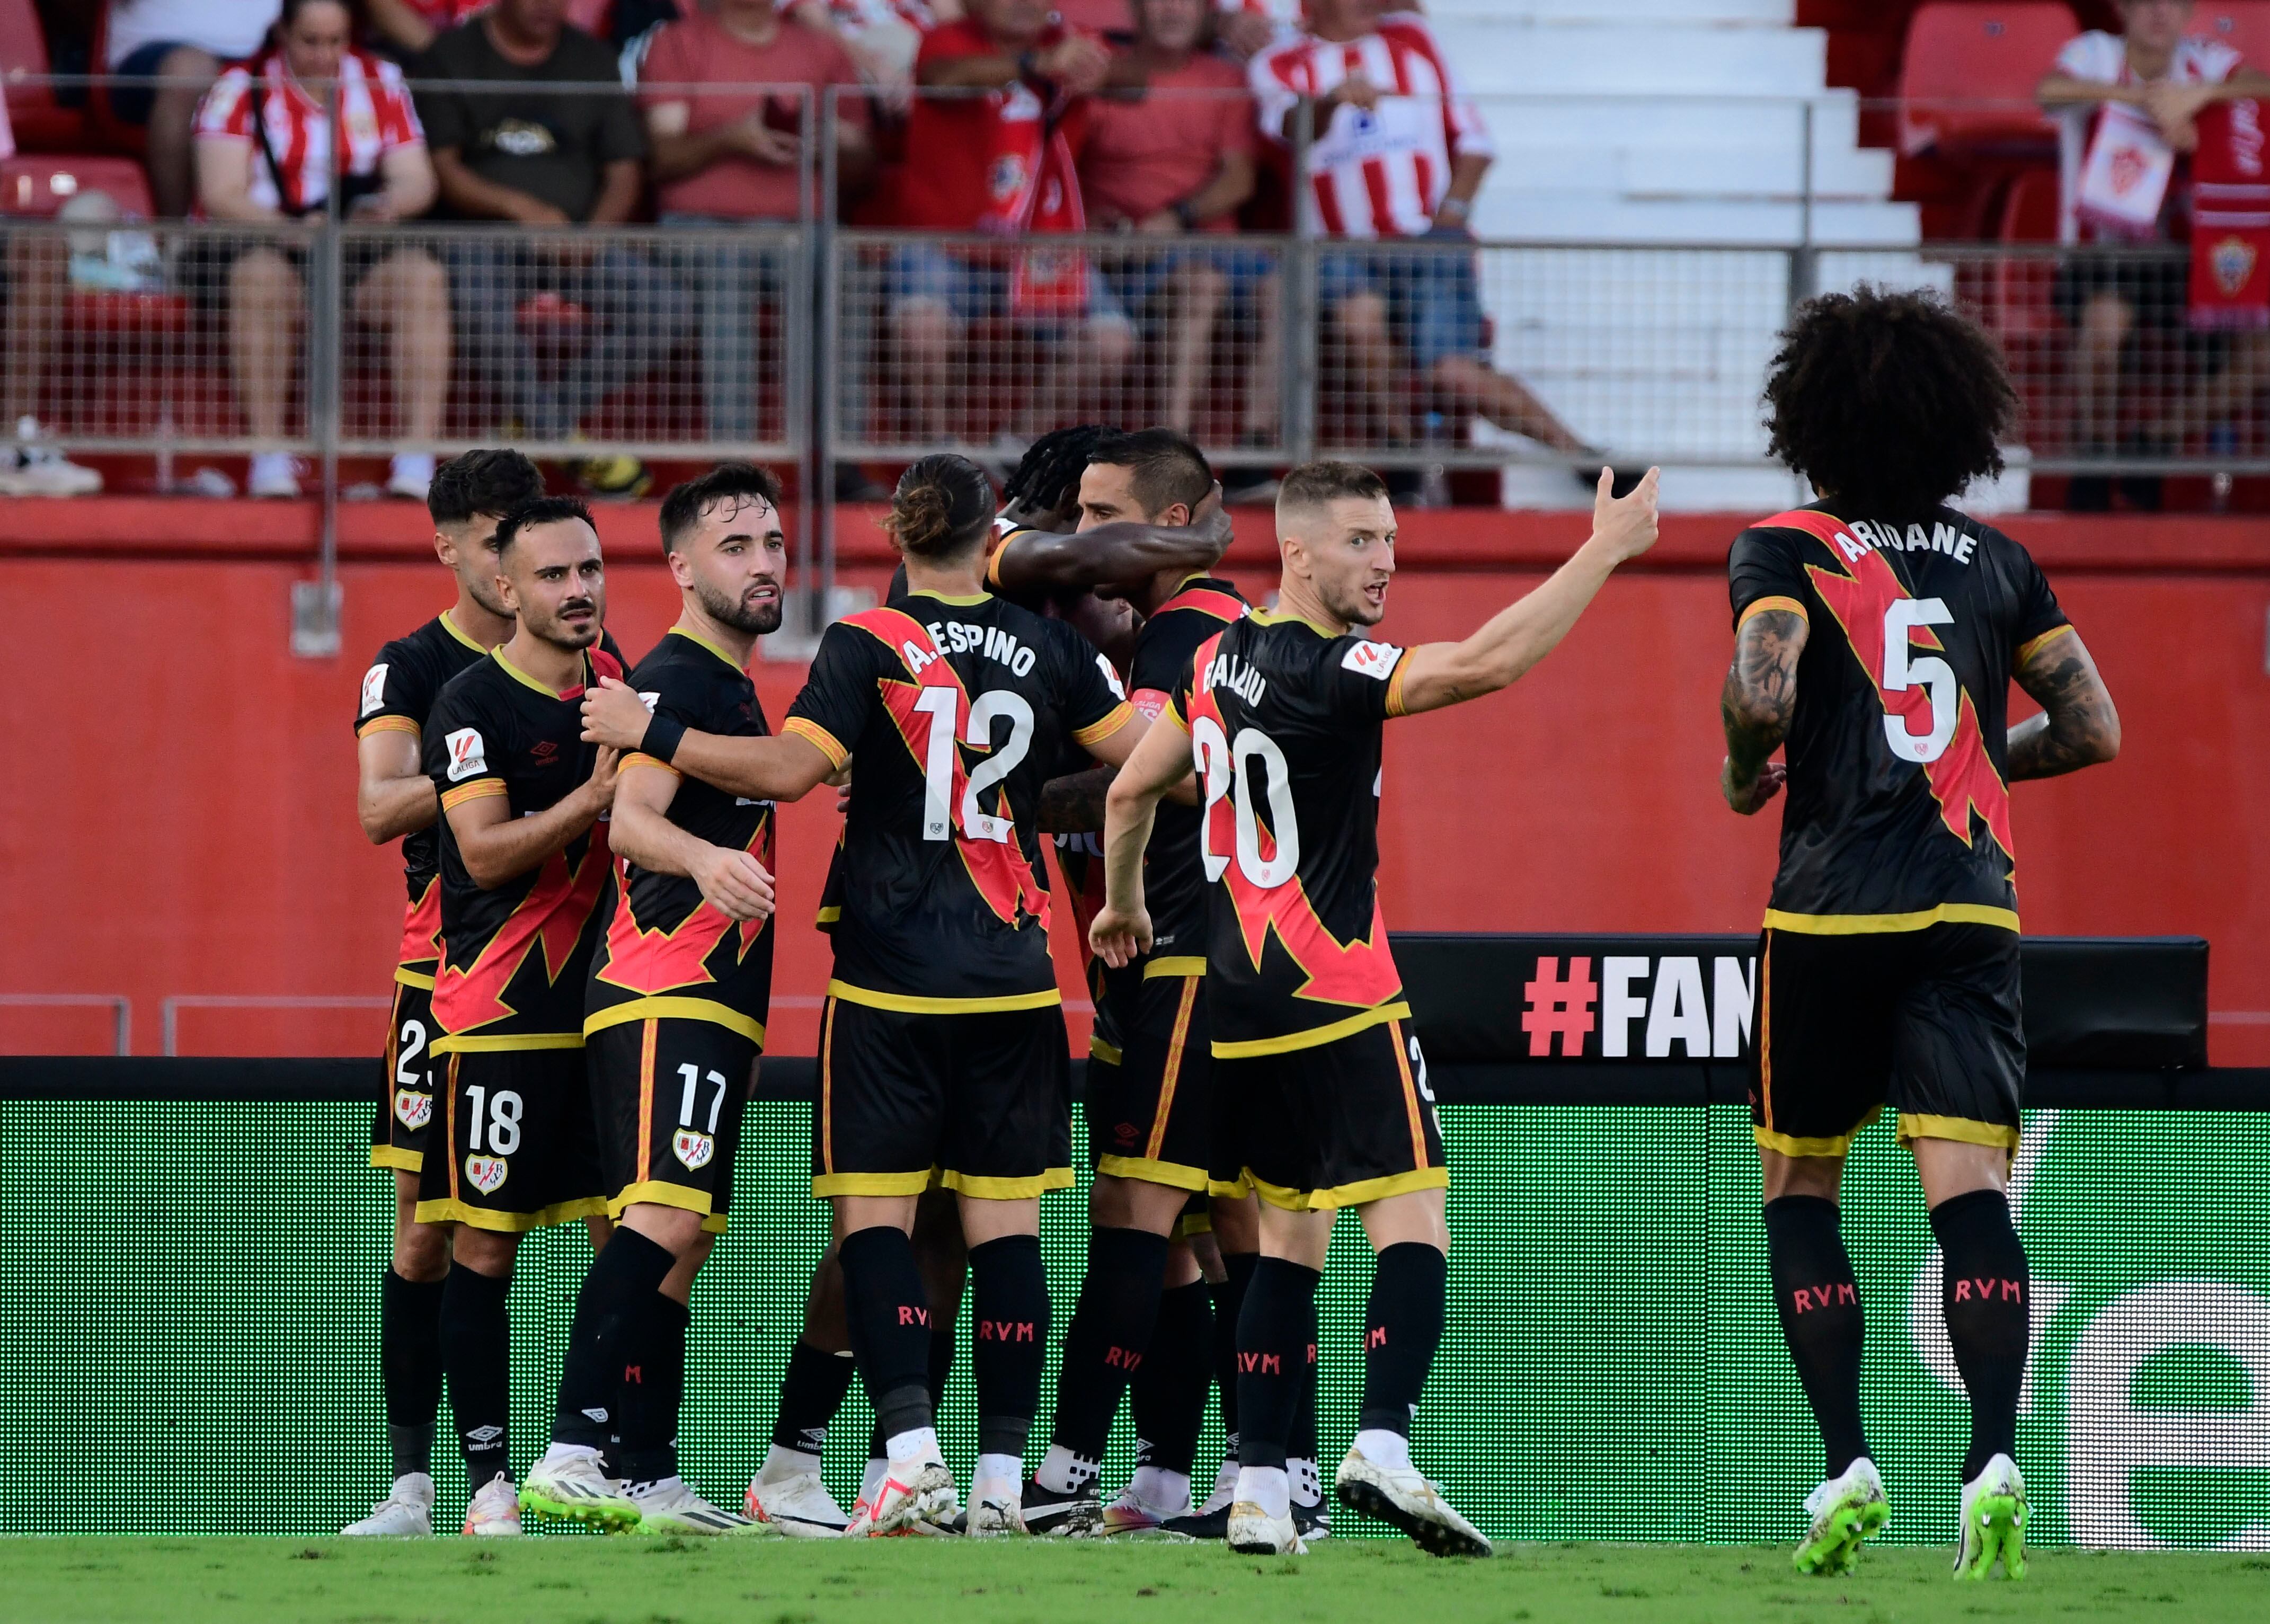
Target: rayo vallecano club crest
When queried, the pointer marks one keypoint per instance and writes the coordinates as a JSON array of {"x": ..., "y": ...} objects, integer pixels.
[
  {"x": 694, "y": 1149},
  {"x": 2232, "y": 259}
]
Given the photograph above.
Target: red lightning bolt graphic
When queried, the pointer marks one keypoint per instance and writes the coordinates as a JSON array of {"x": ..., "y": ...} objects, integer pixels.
[
  {"x": 650, "y": 961},
  {"x": 551, "y": 916}
]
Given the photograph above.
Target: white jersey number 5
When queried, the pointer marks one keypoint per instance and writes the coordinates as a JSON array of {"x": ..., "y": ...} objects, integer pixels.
[{"x": 1905, "y": 669}]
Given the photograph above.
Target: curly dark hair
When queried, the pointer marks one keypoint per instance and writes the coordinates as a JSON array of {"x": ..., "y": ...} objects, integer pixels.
[
  {"x": 1047, "y": 481},
  {"x": 1888, "y": 402},
  {"x": 943, "y": 505}
]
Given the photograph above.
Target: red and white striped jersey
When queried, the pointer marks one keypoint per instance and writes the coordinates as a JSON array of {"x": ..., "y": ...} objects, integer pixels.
[
  {"x": 376, "y": 116},
  {"x": 1379, "y": 174}
]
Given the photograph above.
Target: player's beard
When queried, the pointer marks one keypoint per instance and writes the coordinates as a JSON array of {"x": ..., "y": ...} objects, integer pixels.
[
  {"x": 561, "y": 634},
  {"x": 1348, "y": 603},
  {"x": 482, "y": 590},
  {"x": 757, "y": 619}
]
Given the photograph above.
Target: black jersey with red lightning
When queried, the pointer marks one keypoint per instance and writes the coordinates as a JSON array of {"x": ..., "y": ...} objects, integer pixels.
[
  {"x": 1174, "y": 879},
  {"x": 1898, "y": 813},
  {"x": 1285, "y": 722},
  {"x": 515, "y": 958},
  {"x": 397, "y": 695},
  {"x": 958, "y": 709},
  {"x": 668, "y": 954}
]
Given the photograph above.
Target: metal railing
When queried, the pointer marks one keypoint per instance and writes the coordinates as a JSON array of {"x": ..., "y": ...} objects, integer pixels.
[
  {"x": 121, "y": 1008},
  {"x": 169, "y": 1009}
]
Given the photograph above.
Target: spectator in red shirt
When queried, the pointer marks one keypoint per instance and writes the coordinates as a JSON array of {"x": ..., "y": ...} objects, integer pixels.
[
  {"x": 882, "y": 35},
  {"x": 735, "y": 153},
  {"x": 264, "y": 154},
  {"x": 995, "y": 134},
  {"x": 1177, "y": 159}
]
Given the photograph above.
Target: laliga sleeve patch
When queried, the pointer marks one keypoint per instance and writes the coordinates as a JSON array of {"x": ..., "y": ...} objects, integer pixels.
[
  {"x": 1110, "y": 677},
  {"x": 1375, "y": 660},
  {"x": 468, "y": 757},
  {"x": 650, "y": 700},
  {"x": 374, "y": 689}
]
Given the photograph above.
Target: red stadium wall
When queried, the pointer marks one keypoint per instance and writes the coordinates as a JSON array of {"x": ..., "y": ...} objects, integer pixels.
[{"x": 181, "y": 820}]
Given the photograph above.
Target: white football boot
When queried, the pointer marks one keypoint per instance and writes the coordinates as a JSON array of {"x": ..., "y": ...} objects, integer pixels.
[
  {"x": 800, "y": 1507},
  {"x": 406, "y": 1513},
  {"x": 1397, "y": 1494},
  {"x": 494, "y": 1510},
  {"x": 673, "y": 1507},
  {"x": 571, "y": 1483},
  {"x": 1845, "y": 1511},
  {"x": 1994, "y": 1517}
]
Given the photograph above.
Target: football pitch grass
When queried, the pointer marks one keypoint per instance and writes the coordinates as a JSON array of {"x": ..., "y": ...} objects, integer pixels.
[{"x": 643, "y": 1581}]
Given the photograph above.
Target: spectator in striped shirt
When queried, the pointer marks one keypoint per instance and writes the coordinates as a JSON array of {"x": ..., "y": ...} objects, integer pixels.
[
  {"x": 265, "y": 154},
  {"x": 1397, "y": 153}
]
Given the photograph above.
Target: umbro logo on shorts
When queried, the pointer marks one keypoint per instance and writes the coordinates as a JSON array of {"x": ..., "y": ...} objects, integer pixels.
[
  {"x": 485, "y": 1172},
  {"x": 412, "y": 1109},
  {"x": 694, "y": 1149}
]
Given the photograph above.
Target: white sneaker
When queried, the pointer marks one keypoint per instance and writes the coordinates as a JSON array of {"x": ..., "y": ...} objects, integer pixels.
[
  {"x": 407, "y": 1511},
  {"x": 1253, "y": 1531},
  {"x": 34, "y": 466},
  {"x": 494, "y": 1510},
  {"x": 996, "y": 1509},
  {"x": 1130, "y": 1516},
  {"x": 915, "y": 1497},
  {"x": 800, "y": 1507},
  {"x": 273, "y": 474},
  {"x": 570, "y": 1483},
  {"x": 1400, "y": 1496},
  {"x": 409, "y": 475},
  {"x": 672, "y": 1506},
  {"x": 1994, "y": 1517},
  {"x": 1844, "y": 1511}
]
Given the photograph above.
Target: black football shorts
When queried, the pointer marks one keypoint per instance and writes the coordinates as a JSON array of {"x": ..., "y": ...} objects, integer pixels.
[
  {"x": 670, "y": 1095},
  {"x": 1926, "y": 1021},
  {"x": 1338, "y": 1124},
  {"x": 980, "y": 1101},
  {"x": 513, "y": 1146},
  {"x": 1151, "y": 1115},
  {"x": 405, "y": 1088}
]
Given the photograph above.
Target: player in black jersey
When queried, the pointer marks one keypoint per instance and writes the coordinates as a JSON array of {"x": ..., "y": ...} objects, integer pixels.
[
  {"x": 1281, "y": 715},
  {"x": 394, "y": 799},
  {"x": 525, "y": 878},
  {"x": 942, "y": 1047},
  {"x": 680, "y": 988},
  {"x": 1878, "y": 634}
]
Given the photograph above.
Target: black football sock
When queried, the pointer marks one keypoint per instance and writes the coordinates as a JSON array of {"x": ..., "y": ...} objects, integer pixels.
[
  {"x": 1110, "y": 1329},
  {"x": 476, "y": 1355},
  {"x": 1402, "y": 1328},
  {"x": 1009, "y": 1294},
  {"x": 653, "y": 1371},
  {"x": 1274, "y": 1333},
  {"x": 410, "y": 1367},
  {"x": 1229, "y": 1306},
  {"x": 628, "y": 1270},
  {"x": 941, "y": 1365},
  {"x": 889, "y": 1319},
  {"x": 1301, "y": 1470},
  {"x": 1819, "y": 1303},
  {"x": 811, "y": 1391},
  {"x": 1169, "y": 1393},
  {"x": 1984, "y": 1295}
]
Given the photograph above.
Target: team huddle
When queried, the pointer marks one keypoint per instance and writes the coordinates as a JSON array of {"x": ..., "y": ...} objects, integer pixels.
[{"x": 585, "y": 973}]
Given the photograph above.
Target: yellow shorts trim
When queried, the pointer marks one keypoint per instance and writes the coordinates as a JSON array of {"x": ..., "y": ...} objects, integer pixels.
[
  {"x": 394, "y": 1156},
  {"x": 1788, "y": 605},
  {"x": 985, "y": 1189},
  {"x": 1789, "y": 1145},
  {"x": 476, "y": 1043},
  {"x": 1174, "y": 1174},
  {"x": 1193, "y": 964},
  {"x": 909, "y": 1004},
  {"x": 661, "y": 1192},
  {"x": 1098, "y": 1049},
  {"x": 409, "y": 977},
  {"x": 1349, "y": 1195},
  {"x": 1230, "y": 1190},
  {"x": 827, "y": 1185},
  {"x": 511, "y": 1223},
  {"x": 827, "y": 915},
  {"x": 664, "y": 1007},
  {"x": 1193, "y": 1224},
  {"x": 1870, "y": 925},
  {"x": 1314, "y": 1036},
  {"x": 1962, "y": 1130}
]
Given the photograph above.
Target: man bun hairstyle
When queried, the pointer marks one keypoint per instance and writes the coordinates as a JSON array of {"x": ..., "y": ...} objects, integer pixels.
[
  {"x": 1314, "y": 485},
  {"x": 943, "y": 506},
  {"x": 1888, "y": 402},
  {"x": 1164, "y": 467},
  {"x": 488, "y": 480},
  {"x": 542, "y": 510},
  {"x": 735, "y": 482}
]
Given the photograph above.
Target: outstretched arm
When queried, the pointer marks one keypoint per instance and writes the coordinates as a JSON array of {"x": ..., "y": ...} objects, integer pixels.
[
  {"x": 784, "y": 767},
  {"x": 1113, "y": 553},
  {"x": 2078, "y": 726},
  {"x": 1522, "y": 633},
  {"x": 1122, "y": 929},
  {"x": 1757, "y": 702}
]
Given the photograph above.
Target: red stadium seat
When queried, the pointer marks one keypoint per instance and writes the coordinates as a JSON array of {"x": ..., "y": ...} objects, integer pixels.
[
  {"x": 40, "y": 125},
  {"x": 39, "y": 186},
  {"x": 2030, "y": 208},
  {"x": 1966, "y": 81},
  {"x": 2244, "y": 27}
]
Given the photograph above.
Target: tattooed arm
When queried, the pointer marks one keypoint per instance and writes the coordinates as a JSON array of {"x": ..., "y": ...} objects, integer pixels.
[
  {"x": 1756, "y": 704},
  {"x": 2078, "y": 726}
]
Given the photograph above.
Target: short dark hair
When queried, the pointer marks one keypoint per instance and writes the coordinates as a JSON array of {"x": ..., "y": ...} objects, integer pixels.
[
  {"x": 1888, "y": 402},
  {"x": 486, "y": 480},
  {"x": 542, "y": 510},
  {"x": 728, "y": 482},
  {"x": 943, "y": 505},
  {"x": 1166, "y": 467},
  {"x": 1312, "y": 485}
]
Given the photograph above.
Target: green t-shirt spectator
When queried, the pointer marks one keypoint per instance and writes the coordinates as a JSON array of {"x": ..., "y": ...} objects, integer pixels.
[{"x": 551, "y": 144}]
